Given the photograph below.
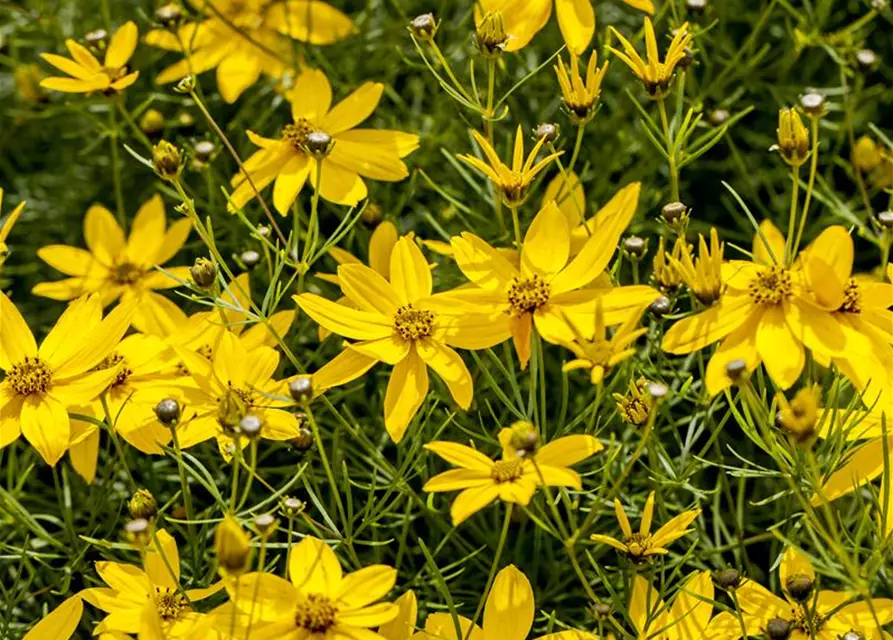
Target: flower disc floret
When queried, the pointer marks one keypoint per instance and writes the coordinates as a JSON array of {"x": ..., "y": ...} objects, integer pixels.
[
  {"x": 771, "y": 286},
  {"x": 31, "y": 375},
  {"x": 414, "y": 324},
  {"x": 170, "y": 603},
  {"x": 316, "y": 613},
  {"x": 528, "y": 294}
]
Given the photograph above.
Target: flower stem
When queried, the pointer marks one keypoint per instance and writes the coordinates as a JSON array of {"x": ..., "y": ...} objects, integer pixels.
[
  {"x": 792, "y": 218},
  {"x": 116, "y": 165},
  {"x": 671, "y": 151},
  {"x": 578, "y": 144},
  {"x": 493, "y": 567},
  {"x": 813, "y": 168},
  {"x": 516, "y": 224},
  {"x": 187, "y": 496}
]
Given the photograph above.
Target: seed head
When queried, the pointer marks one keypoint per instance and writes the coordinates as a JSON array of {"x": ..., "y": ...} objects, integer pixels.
[
  {"x": 318, "y": 144},
  {"x": 304, "y": 440},
  {"x": 601, "y": 610},
  {"x": 696, "y": 6},
  {"x": 167, "y": 161},
  {"x": 867, "y": 60},
  {"x": 142, "y": 505},
  {"x": 168, "y": 411},
  {"x": 424, "y": 27},
  {"x": 675, "y": 213},
  {"x": 719, "y": 117}
]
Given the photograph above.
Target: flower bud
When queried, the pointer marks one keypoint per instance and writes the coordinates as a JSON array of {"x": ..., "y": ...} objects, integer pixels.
[
  {"x": 203, "y": 150},
  {"x": 635, "y": 248},
  {"x": 301, "y": 389},
  {"x": 142, "y": 505},
  {"x": 878, "y": 5},
  {"x": 657, "y": 390},
  {"x": 799, "y": 586},
  {"x": 167, "y": 161},
  {"x": 232, "y": 547},
  {"x": 793, "y": 138},
  {"x": 524, "y": 438},
  {"x": 251, "y": 426},
  {"x": 867, "y": 60},
  {"x": 674, "y": 212},
  {"x": 866, "y": 155},
  {"x": 186, "y": 85},
  {"x": 138, "y": 532},
  {"x": 885, "y": 219},
  {"x": 547, "y": 131},
  {"x": 263, "y": 230},
  {"x": 169, "y": 16},
  {"x": 97, "y": 40},
  {"x": 167, "y": 411},
  {"x": 250, "y": 258},
  {"x": 728, "y": 579},
  {"x": 152, "y": 121},
  {"x": 423, "y": 27},
  {"x": 696, "y": 6},
  {"x": 318, "y": 144},
  {"x": 800, "y": 416},
  {"x": 661, "y": 307},
  {"x": 490, "y": 37},
  {"x": 204, "y": 273},
  {"x": 601, "y": 610},
  {"x": 372, "y": 213},
  {"x": 852, "y": 635},
  {"x": 735, "y": 369},
  {"x": 688, "y": 59},
  {"x": 778, "y": 629},
  {"x": 813, "y": 104},
  {"x": 719, "y": 117},
  {"x": 292, "y": 507},
  {"x": 266, "y": 525},
  {"x": 304, "y": 440}
]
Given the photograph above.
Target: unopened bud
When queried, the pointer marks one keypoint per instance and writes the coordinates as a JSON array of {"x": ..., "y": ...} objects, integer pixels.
[
  {"x": 696, "y": 6},
  {"x": 186, "y": 85},
  {"x": 793, "y": 138},
  {"x": 878, "y": 5},
  {"x": 304, "y": 440},
  {"x": 672, "y": 212},
  {"x": 142, "y": 505},
  {"x": 524, "y": 438},
  {"x": 728, "y": 579},
  {"x": 866, "y": 59},
  {"x": 372, "y": 213},
  {"x": 169, "y": 15},
  {"x": 657, "y": 390},
  {"x": 250, "y": 258},
  {"x": 204, "y": 273},
  {"x": 251, "y": 426},
  {"x": 203, "y": 150},
  {"x": 233, "y": 548},
  {"x": 719, "y": 117},
  {"x": 661, "y": 307},
  {"x": 547, "y": 131},
  {"x": 138, "y": 531},
  {"x": 799, "y": 586},
  {"x": 813, "y": 103},
  {"x": 263, "y": 230},
  {"x": 885, "y": 218},
  {"x": 423, "y": 27},
  {"x": 601, "y": 610},
  {"x": 301, "y": 389},
  {"x": 778, "y": 629},
  {"x": 318, "y": 144},
  {"x": 266, "y": 525},
  {"x": 852, "y": 635},
  {"x": 292, "y": 507},
  {"x": 688, "y": 58},
  {"x": 152, "y": 121},
  {"x": 167, "y": 161},
  {"x": 635, "y": 247},
  {"x": 167, "y": 411},
  {"x": 97, "y": 39},
  {"x": 736, "y": 368},
  {"x": 490, "y": 37}
]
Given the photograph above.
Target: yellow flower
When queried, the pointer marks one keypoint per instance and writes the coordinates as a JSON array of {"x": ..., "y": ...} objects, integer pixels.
[
  {"x": 42, "y": 383},
  {"x": 640, "y": 546},
  {"x": 242, "y": 39},
  {"x": 667, "y": 268},
  {"x": 654, "y": 74},
  {"x": 353, "y": 154},
  {"x": 793, "y": 137},
  {"x": 547, "y": 287},
  {"x": 146, "y": 374},
  {"x": 114, "y": 267},
  {"x": 525, "y": 18},
  {"x": 7, "y": 227},
  {"x": 703, "y": 276},
  {"x": 831, "y": 617},
  {"x": 490, "y": 37},
  {"x": 512, "y": 478},
  {"x": 512, "y": 182},
  {"x": 317, "y": 600},
  {"x": 399, "y": 322},
  {"x": 579, "y": 96},
  {"x": 800, "y": 416},
  {"x": 235, "y": 383},
  {"x": 601, "y": 352},
  {"x": 767, "y": 314},
  {"x": 149, "y": 602},
  {"x": 635, "y": 407},
  {"x": 87, "y": 74},
  {"x": 866, "y": 156}
]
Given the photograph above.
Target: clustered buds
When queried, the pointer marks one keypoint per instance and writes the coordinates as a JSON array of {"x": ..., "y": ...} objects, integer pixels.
[
  {"x": 800, "y": 416},
  {"x": 167, "y": 161}
]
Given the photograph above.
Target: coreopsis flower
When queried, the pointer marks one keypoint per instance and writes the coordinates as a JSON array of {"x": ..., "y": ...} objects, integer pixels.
[
  {"x": 579, "y": 95},
  {"x": 667, "y": 267},
  {"x": 351, "y": 154},
  {"x": 641, "y": 545},
  {"x": 236, "y": 382},
  {"x": 490, "y": 36},
  {"x": 42, "y": 383},
  {"x": 548, "y": 288},
  {"x": 799, "y": 416},
  {"x": 513, "y": 478},
  {"x": 654, "y": 74},
  {"x": 513, "y": 183},
  {"x": 635, "y": 407},
  {"x": 400, "y": 322},
  {"x": 703, "y": 275},
  {"x": 525, "y": 18},
  {"x": 317, "y": 601},
  {"x": 6, "y": 228},
  {"x": 599, "y": 352},
  {"x": 232, "y": 546},
  {"x": 767, "y": 314},
  {"x": 244, "y": 39},
  {"x": 793, "y": 138},
  {"x": 146, "y": 373},
  {"x": 87, "y": 73},
  {"x": 828, "y": 612},
  {"x": 115, "y": 267}
]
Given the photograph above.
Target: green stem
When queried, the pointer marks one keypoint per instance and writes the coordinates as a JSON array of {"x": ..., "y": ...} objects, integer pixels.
[
  {"x": 449, "y": 71},
  {"x": 491, "y": 88},
  {"x": 792, "y": 216},
  {"x": 313, "y": 225},
  {"x": 116, "y": 166},
  {"x": 578, "y": 144},
  {"x": 237, "y": 462},
  {"x": 493, "y": 567},
  {"x": 516, "y": 224},
  {"x": 813, "y": 168},
  {"x": 671, "y": 151},
  {"x": 187, "y": 497},
  {"x": 261, "y": 561}
]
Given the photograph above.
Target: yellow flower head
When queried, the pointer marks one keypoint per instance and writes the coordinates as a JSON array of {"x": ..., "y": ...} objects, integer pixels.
[
  {"x": 401, "y": 322},
  {"x": 324, "y": 145},
  {"x": 703, "y": 276},
  {"x": 866, "y": 156},
  {"x": 117, "y": 267},
  {"x": 636, "y": 406},
  {"x": 513, "y": 182},
  {"x": 87, "y": 74},
  {"x": 244, "y": 38},
  {"x": 580, "y": 97},
  {"x": 666, "y": 268},
  {"x": 490, "y": 37},
  {"x": 512, "y": 478},
  {"x": 808, "y": 611},
  {"x": 6, "y": 227},
  {"x": 641, "y": 545},
  {"x": 317, "y": 600},
  {"x": 41, "y": 383},
  {"x": 793, "y": 137},
  {"x": 601, "y": 352},
  {"x": 653, "y": 73},
  {"x": 800, "y": 416}
]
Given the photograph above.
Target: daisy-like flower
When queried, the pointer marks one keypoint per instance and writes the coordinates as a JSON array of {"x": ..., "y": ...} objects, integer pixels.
[
  {"x": 767, "y": 314},
  {"x": 114, "y": 267},
  {"x": 831, "y": 617},
  {"x": 513, "y": 478},
  {"x": 598, "y": 352},
  {"x": 702, "y": 275},
  {"x": 639, "y": 546},
  {"x": 235, "y": 383},
  {"x": 146, "y": 374},
  {"x": 243, "y": 39},
  {"x": 525, "y": 18},
  {"x": 317, "y": 601},
  {"x": 42, "y": 383},
  {"x": 654, "y": 74},
  {"x": 549, "y": 288},
  {"x": 667, "y": 266},
  {"x": 513, "y": 183},
  {"x": 399, "y": 322},
  {"x": 87, "y": 74},
  {"x": 579, "y": 95},
  {"x": 346, "y": 154},
  {"x": 6, "y": 227}
]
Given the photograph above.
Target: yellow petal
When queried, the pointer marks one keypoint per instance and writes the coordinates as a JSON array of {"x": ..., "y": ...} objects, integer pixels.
[
  {"x": 59, "y": 624},
  {"x": 121, "y": 46},
  {"x": 289, "y": 183},
  {"x": 309, "y": 21},
  {"x": 794, "y": 562},
  {"x": 442, "y": 626},
  {"x": 46, "y": 426},
  {"x": 768, "y": 244},
  {"x": 354, "y": 109},
  {"x": 341, "y": 319},
  {"x": 546, "y": 245},
  {"x": 642, "y": 5},
  {"x": 147, "y": 232},
  {"x": 407, "y": 389},
  {"x": 481, "y": 263},
  {"x": 572, "y": 202},
  {"x": 311, "y": 96},
  {"x": 461, "y": 456},
  {"x": 314, "y": 568},
  {"x": 368, "y": 290},
  {"x": 646, "y": 610},
  {"x": 343, "y": 368},
  {"x": 162, "y": 561},
  {"x": 16, "y": 339},
  {"x": 508, "y": 613},
  {"x": 457, "y": 479},
  {"x": 782, "y": 354},
  {"x": 690, "y": 614},
  {"x": 103, "y": 235},
  {"x": 828, "y": 264},
  {"x": 410, "y": 273},
  {"x": 451, "y": 369},
  {"x": 391, "y": 349},
  {"x": 381, "y": 244},
  {"x": 470, "y": 501},
  {"x": 707, "y": 327},
  {"x": 365, "y": 586},
  {"x": 576, "y": 18},
  {"x": 569, "y": 450},
  {"x": 402, "y": 627}
]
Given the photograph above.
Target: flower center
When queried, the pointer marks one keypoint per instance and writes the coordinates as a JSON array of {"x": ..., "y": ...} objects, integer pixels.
[
  {"x": 296, "y": 134},
  {"x": 771, "y": 286},
  {"x": 126, "y": 273},
  {"x": 800, "y": 620},
  {"x": 852, "y": 298},
  {"x": 206, "y": 351},
  {"x": 599, "y": 352},
  {"x": 316, "y": 613},
  {"x": 638, "y": 544},
  {"x": 412, "y": 323},
  {"x": 528, "y": 294},
  {"x": 170, "y": 603},
  {"x": 232, "y": 406},
  {"x": 32, "y": 375},
  {"x": 123, "y": 374},
  {"x": 115, "y": 73},
  {"x": 506, "y": 470}
]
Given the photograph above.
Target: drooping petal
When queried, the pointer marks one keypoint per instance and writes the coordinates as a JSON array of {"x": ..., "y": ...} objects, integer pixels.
[
  {"x": 470, "y": 501},
  {"x": 310, "y": 21},
  {"x": 781, "y": 352},
  {"x": 338, "y": 184},
  {"x": 46, "y": 426},
  {"x": 461, "y": 456},
  {"x": 451, "y": 369},
  {"x": 289, "y": 182}
]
